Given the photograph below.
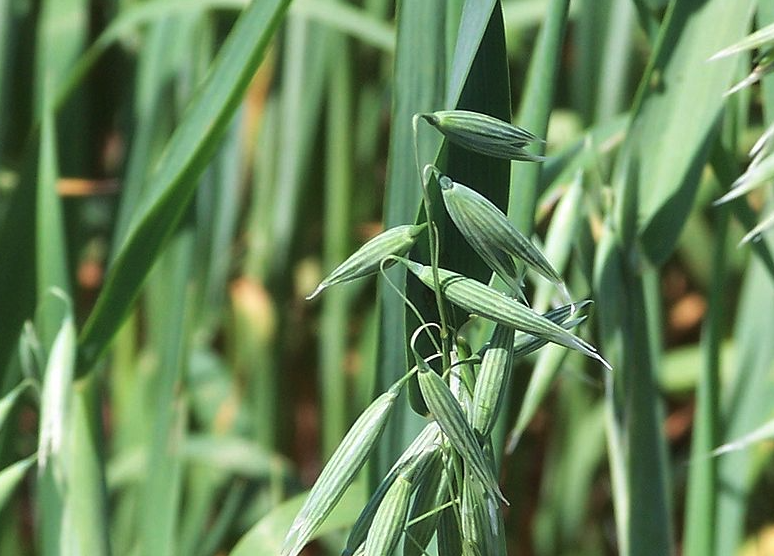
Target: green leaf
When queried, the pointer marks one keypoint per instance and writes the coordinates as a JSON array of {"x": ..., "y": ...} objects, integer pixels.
[
  {"x": 676, "y": 122},
  {"x": 174, "y": 181},
  {"x": 418, "y": 77},
  {"x": 51, "y": 264},
  {"x": 54, "y": 440},
  {"x": 745, "y": 400},
  {"x": 537, "y": 101}
]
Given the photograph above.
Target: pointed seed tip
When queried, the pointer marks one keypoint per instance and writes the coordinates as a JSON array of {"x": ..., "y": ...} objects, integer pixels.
[
  {"x": 604, "y": 362},
  {"x": 315, "y": 293}
]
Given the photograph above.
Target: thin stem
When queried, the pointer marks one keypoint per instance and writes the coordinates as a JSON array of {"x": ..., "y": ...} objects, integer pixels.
[
  {"x": 406, "y": 300},
  {"x": 418, "y": 331},
  {"x": 432, "y": 236},
  {"x": 432, "y": 512}
]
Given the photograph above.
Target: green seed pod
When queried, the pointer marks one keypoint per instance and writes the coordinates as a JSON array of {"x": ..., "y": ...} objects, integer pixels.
[
  {"x": 475, "y": 297},
  {"x": 470, "y": 506},
  {"x": 432, "y": 492},
  {"x": 446, "y": 410},
  {"x": 388, "y": 523},
  {"x": 340, "y": 470},
  {"x": 387, "y": 527},
  {"x": 368, "y": 259},
  {"x": 427, "y": 442},
  {"x": 492, "y": 380},
  {"x": 486, "y": 228},
  {"x": 478, "y": 298},
  {"x": 479, "y": 520},
  {"x": 484, "y": 134}
]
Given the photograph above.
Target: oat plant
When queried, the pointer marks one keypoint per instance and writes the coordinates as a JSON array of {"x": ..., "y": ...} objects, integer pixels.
[{"x": 463, "y": 398}]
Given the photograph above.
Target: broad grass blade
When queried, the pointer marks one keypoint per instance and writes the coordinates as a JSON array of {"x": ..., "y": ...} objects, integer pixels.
[
  {"x": 338, "y": 185},
  {"x": 87, "y": 501},
  {"x": 701, "y": 493},
  {"x": 637, "y": 446},
  {"x": 682, "y": 120},
  {"x": 574, "y": 456},
  {"x": 747, "y": 398},
  {"x": 486, "y": 90},
  {"x": 419, "y": 53},
  {"x": 51, "y": 264},
  {"x": 537, "y": 100},
  {"x": 8, "y": 401}
]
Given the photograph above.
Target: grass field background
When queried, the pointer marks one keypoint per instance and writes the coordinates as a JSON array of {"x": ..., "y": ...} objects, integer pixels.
[{"x": 176, "y": 176}]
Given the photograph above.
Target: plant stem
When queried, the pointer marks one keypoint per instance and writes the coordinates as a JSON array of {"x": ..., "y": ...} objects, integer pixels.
[{"x": 432, "y": 235}]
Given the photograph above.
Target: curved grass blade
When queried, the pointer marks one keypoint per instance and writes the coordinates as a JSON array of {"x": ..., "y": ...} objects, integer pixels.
[
  {"x": 534, "y": 111},
  {"x": 561, "y": 236},
  {"x": 9, "y": 400},
  {"x": 475, "y": 297},
  {"x": 174, "y": 182},
  {"x": 51, "y": 254},
  {"x": 53, "y": 439}
]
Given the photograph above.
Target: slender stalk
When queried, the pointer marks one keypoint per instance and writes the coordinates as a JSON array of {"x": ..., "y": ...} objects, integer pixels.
[{"x": 432, "y": 235}]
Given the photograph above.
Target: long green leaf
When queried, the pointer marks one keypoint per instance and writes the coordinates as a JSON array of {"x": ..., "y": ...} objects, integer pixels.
[
  {"x": 50, "y": 246},
  {"x": 418, "y": 76},
  {"x": 676, "y": 121},
  {"x": 486, "y": 89},
  {"x": 172, "y": 186},
  {"x": 745, "y": 402},
  {"x": 54, "y": 441},
  {"x": 535, "y": 109}
]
